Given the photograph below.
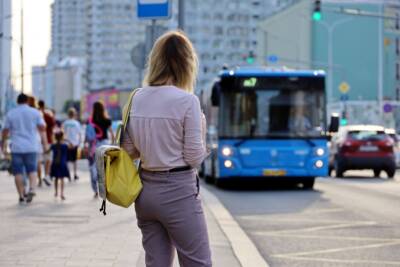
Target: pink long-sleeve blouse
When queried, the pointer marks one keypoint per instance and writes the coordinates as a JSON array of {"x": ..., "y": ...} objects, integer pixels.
[{"x": 166, "y": 129}]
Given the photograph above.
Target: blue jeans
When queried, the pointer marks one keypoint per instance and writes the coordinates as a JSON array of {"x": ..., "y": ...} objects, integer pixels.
[{"x": 23, "y": 162}]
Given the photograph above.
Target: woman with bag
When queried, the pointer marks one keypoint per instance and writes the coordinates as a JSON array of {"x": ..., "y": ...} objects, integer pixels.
[
  {"x": 166, "y": 130},
  {"x": 97, "y": 133}
]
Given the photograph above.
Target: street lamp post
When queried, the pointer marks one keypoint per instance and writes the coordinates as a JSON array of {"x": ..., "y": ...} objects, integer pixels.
[
  {"x": 21, "y": 47},
  {"x": 331, "y": 28},
  {"x": 181, "y": 14}
]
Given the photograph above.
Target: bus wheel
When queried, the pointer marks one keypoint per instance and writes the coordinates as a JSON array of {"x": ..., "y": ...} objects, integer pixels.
[
  {"x": 220, "y": 183},
  {"x": 308, "y": 184},
  {"x": 208, "y": 179}
]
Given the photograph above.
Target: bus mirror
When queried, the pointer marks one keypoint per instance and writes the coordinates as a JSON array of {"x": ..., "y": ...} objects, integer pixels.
[
  {"x": 215, "y": 94},
  {"x": 334, "y": 125}
]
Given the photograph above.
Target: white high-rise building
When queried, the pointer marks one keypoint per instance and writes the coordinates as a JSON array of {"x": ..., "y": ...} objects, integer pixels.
[
  {"x": 103, "y": 32},
  {"x": 39, "y": 82},
  {"x": 5, "y": 53},
  {"x": 68, "y": 29},
  {"x": 113, "y": 30}
]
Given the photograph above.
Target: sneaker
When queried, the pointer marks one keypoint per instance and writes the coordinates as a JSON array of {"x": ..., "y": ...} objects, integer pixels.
[
  {"x": 76, "y": 177},
  {"x": 30, "y": 196},
  {"x": 47, "y": 181}
]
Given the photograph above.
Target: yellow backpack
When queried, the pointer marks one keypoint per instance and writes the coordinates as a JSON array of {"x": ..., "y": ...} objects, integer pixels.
[{"x": 118, "y": 175}]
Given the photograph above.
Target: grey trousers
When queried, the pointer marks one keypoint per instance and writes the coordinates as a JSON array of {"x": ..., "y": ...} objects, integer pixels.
[{"x": 170, "y": 216}]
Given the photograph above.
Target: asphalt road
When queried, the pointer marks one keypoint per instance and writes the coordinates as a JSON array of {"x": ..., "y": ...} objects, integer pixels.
[{"x": 353, "y": 221}]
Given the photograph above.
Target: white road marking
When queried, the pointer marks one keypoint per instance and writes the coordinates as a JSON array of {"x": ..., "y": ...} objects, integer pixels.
[
  {"x": 318, "y": 228},
  {"x": 379, "y": 263},
  {"x": 349, "y": 238},
  {"x": 334, "y": 250},
  {"x": 293, "y": 219},
  {"x": 244, "y": 249},
  {"x": 320, "y": 211}
]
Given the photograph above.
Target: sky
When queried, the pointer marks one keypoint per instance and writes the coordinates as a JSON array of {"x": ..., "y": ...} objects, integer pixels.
[{"x": 37, "y": 35}]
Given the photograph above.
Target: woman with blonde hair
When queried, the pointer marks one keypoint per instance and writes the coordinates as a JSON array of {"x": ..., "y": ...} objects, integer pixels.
[{"x": 166, "y": 130}]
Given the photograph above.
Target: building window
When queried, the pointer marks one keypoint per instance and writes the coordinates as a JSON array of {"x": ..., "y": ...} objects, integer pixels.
[
  {"x": 398, "y": 71},
  {"x": 397, "y": 21},
  {"x": 398, "y": 46},
  {"x": 398, "y": 93}
]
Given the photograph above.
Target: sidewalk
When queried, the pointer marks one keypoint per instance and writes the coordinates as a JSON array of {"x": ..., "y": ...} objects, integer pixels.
[{"x": 50, "y": 232}]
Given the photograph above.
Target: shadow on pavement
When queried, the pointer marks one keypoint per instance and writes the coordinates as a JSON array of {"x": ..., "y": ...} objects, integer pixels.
[
  {"x": 362, "y": 178},
  {"x": 261, "y": 185}
]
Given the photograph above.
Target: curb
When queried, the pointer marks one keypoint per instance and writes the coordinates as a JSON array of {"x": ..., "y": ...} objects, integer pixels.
[{"x": 244, "y": 249}]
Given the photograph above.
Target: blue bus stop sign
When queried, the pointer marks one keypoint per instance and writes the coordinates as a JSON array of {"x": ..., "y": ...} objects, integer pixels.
[{"x": 153, "y": 9}]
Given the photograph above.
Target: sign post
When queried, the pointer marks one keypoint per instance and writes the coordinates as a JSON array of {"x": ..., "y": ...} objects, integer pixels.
[{"x": 344, "y": 88}]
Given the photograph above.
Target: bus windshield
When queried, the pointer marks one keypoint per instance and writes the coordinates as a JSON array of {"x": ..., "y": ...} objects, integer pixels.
[{"x": 283, "y": 107}]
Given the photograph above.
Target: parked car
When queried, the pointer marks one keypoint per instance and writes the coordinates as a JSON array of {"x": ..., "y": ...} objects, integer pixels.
[
  {"x": 396, "y": 139},
  {"x": 357, "y": 147}
]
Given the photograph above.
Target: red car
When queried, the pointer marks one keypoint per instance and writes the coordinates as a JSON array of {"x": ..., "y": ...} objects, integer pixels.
[{"x": 360, "y": 147}]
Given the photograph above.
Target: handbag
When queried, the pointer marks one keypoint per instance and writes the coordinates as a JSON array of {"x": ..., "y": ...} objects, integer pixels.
[{"x": 118, "y": 176}]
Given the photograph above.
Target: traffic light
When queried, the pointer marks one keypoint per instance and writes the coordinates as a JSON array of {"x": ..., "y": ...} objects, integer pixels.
[
  {"x": 317, "y": 10},
  {"x": 250, "y": 58},
  {"x": 343, "y": 119}
]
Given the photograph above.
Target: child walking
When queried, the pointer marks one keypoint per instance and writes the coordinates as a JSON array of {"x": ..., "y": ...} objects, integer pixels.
[{"x": 59, "y": 167}]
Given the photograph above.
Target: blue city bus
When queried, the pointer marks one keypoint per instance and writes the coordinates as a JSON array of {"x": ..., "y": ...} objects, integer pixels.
[{"x": 267, "y": 123}]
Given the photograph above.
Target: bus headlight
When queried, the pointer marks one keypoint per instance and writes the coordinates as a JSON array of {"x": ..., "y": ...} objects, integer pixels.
[
  {"x": 227, "y": 151},
  {"x": 228, "y": 164},
  {"x": 320, "y": 152},
  {"x": 319, "y": 164}
]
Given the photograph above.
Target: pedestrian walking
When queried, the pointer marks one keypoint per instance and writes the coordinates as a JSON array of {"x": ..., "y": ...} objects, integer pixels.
[
  {"x": 100, "y": 124},
  {"x": 50, "y": 123},
  {"x": 59, "y": 165},
  {"x": 23, "y": 124},
  {"x": 33, "y": 104},
  {"x": 72, "y": 130},
  {"x": 166, "y": 130}
]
